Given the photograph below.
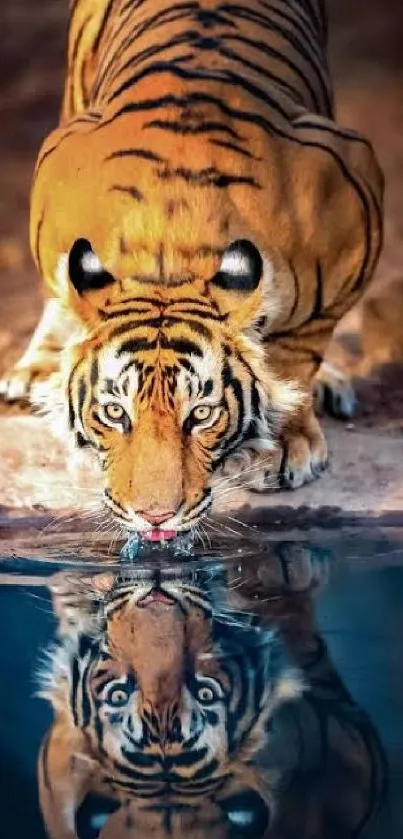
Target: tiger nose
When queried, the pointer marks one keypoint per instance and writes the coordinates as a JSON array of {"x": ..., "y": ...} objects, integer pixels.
[{"x": 156, "y": 517}]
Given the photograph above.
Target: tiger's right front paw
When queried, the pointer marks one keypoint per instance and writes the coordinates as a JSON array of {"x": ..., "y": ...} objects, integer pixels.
[{"x": 16, "y": 384}]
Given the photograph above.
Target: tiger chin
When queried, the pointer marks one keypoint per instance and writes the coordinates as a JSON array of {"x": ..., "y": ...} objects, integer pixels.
[{"x": 203, "y": 223}]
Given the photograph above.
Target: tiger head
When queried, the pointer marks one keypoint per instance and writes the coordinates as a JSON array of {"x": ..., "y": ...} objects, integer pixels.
[
  {"x": 173, "y": 702},
  {"x": 168, "y": 382}
]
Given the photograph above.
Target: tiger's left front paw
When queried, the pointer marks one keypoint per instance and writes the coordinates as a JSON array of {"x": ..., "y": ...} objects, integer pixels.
[
  {"x": 304, "y": 455},
  {"x": 300, "y": 459}
]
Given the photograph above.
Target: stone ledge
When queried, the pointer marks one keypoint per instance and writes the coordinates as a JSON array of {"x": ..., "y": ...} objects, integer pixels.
[{"x": 365, "y": 478}]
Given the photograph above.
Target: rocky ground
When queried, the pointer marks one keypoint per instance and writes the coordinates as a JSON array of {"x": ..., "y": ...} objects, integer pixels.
[{"x": 366, "y": 51}]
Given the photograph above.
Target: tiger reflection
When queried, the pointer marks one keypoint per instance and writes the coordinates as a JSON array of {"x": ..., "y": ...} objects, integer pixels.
[
  {"x": 158, "y": 699},
  {"x": 201, "y": 708}
]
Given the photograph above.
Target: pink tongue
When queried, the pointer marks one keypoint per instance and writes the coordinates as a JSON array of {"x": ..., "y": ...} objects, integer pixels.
[
  {"x": 156, "y": 596},
  {"x": 157, "y": 535}
]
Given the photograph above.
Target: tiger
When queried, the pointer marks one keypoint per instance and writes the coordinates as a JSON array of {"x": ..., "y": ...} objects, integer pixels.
[
  {"x": 185, "y": 706},
  {"x": 201, "y": 224}
]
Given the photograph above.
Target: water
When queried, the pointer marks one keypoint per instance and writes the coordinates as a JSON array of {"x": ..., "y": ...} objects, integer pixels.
[{"x": 254, "y": 690}]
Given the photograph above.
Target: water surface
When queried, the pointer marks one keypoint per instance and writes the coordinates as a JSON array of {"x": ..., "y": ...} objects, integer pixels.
[{"x": 253, "y": 690}]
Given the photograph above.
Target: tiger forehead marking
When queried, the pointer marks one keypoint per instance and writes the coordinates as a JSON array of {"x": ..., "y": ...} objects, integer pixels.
[{"x": 157, "y": 374}]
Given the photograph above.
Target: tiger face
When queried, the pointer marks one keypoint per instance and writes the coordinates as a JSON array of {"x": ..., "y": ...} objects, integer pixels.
[
  {"x": 171, "y": 701},
  {"x": 168, "y": 384}
]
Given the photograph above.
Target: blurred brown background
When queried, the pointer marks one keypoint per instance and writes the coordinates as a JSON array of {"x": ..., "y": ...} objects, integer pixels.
[{"x": 366, "y": 53}]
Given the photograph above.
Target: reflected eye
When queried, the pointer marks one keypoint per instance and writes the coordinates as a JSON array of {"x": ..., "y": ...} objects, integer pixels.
[
  {"x": 114, "y": 412},
  {"x": 202, "y": 413},
  {"x": 117, "y": 696},
  {"x": 206, "y": 695}
]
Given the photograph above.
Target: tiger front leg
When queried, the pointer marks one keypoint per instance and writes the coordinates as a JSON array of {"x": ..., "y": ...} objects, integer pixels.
[
  {"x": 64, "y": 778},
  {"x": 299, "y": 457},
  {"x": 41, "y": 357},
  {"x": 300, "y": 454}
]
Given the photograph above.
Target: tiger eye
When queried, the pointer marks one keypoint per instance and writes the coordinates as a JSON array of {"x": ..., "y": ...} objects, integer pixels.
[
  {"x": 206, "y": 695},
  {"x": 114, "y": 412},
  {"x": 117, "y": 696},
  {"x": 202, "y": 413}
]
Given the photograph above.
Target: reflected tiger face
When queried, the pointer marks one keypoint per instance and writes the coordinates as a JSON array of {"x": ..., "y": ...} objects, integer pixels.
[{"x": 172, "y": 702}]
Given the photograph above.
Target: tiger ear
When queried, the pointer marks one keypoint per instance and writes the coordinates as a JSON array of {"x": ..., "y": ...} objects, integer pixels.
[
  {"x": 235, "y": 285},
  {"x": 85, "y": 269}
]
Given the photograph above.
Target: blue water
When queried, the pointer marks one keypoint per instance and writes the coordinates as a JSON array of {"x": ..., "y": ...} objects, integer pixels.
[{"x": 254, "y": 690}]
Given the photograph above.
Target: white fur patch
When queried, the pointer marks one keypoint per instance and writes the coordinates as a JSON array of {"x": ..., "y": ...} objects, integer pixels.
[
  {"x": 91, "y": 263},
  {"x": 286, "y": 396},
  {"x": 62, "y": 273},
  {"x": 235, "y": 263},
  {"x": 271, "y": 298},
  {"x": 111, "y": 364}
]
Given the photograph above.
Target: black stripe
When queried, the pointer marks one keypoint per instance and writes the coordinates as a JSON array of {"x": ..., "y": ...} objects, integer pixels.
[
  {"x": 311, "y": 356},
  {"x": 200, "y": 313},
  {"x": 152, "y": 302},
  {"x": 331, "y": 128},
  {"x": 297, "y": 292},
  {"x": 236, "y": 436},
  {"x": 127, "y": 190},
  {"x": 318, "y": 308},
  {"x": 103, "y": 24},
  {"x": 225, "y": 144},
  {"x": 180, "y": 345},
  {"x": 70, "y": 394},
  {"x": 38, "y": 238},
  {"x": 86, "y": 704},
  {"x": 130, "y": 311},
  {"x": 144, "y": 154},
  {"x": 208, "y": 177},
  {"x": 94, "y": 372},
  {"x": 182, "y": 128},
  {"x": 81, "y": 118},
  {"x": 116, "y": 505},
  {"x": 77, "y": 41},
  {"x": 160, "y": 323},
  {"x": 81, "y": 394},
  {"x": 134, "y": 345},
  {"x": 75, "y": 681},
  {"x": 45, "y": 155}
]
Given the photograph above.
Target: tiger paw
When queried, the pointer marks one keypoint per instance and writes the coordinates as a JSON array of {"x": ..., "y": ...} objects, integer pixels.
[
  {"x": 334, "y": 393},
  {"x": 304, "y": 455},
  {"x": 300, "y": 459},
  {"x": 16, "y": 385}
]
